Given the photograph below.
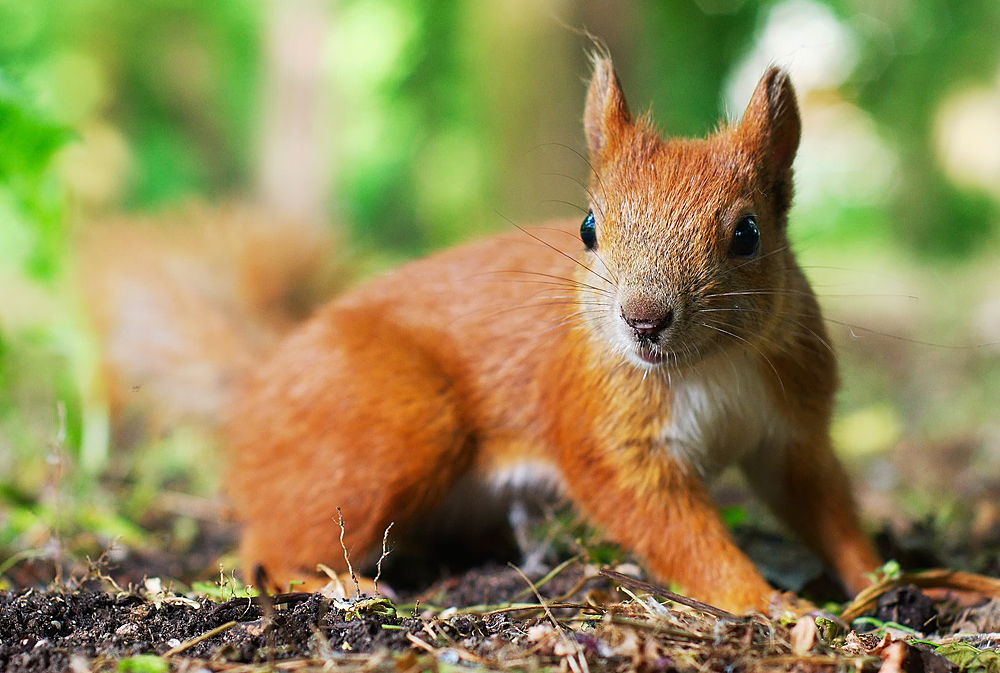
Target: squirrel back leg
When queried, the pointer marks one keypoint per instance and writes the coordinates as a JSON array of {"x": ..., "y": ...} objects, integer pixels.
[{"x": 345, "y": 414}]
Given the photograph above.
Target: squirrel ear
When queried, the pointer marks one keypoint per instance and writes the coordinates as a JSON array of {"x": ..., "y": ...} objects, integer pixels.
[
  {"x": 606, "y": 114},
  {"x": 771, "y": 120}
]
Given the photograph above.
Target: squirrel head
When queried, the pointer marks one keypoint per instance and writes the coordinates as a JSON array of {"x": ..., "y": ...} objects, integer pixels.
[{"x": 688, "y": 235}]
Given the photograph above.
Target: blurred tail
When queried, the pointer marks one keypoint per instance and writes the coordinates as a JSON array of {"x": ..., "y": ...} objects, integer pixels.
[{"x": 183, "y": 305}]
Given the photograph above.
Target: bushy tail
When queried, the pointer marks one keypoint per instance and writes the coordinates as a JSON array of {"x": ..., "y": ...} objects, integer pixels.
[{"x": 183, "y": 305}]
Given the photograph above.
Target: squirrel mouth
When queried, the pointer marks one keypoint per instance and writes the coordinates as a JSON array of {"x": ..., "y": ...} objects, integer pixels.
[{"x": 647, "y": 354}]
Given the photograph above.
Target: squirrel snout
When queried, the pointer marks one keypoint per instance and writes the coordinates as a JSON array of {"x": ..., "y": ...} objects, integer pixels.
[{"x": 647, "y": 321}]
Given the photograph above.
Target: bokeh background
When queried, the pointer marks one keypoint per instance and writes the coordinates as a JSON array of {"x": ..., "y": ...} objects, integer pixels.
[{"x": 407, "y": 125}]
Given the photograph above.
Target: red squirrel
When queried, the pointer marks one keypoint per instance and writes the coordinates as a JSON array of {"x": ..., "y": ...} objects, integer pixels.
[{"x": 620, "y": 362}]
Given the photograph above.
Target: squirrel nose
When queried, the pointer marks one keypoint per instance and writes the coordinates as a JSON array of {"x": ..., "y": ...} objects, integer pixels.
[{"x": 648, "y": 325}]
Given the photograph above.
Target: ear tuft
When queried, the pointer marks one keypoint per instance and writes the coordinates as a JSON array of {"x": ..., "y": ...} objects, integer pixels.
[
  {"x": 772, "y": 122},
  {"x": 606, "y": 114}
]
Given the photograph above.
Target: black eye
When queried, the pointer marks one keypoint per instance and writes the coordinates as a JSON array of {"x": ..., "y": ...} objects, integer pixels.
[
  {"x": 746, "y": 237},
  {"x": 588, "y": 231}
]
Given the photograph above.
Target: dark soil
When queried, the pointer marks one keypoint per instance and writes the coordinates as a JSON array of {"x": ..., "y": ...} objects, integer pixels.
[
  {"x": 92, "y": 629},
  {"x": 87, "y": 621},
  {"x": 45, "y": 631},
  {"x": 41, "y": 631},
  {"x": 493, "y": 584}
]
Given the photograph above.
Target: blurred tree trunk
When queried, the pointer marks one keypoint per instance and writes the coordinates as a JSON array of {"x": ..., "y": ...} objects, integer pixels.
[{"x": 295, "y": 168}]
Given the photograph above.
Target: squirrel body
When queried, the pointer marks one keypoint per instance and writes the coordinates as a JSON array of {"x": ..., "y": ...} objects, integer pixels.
[{"x": 621, "y": 363}]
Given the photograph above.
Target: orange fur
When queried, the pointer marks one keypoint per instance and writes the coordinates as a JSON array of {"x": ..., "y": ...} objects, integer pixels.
[{"x": 509, "y": 358}]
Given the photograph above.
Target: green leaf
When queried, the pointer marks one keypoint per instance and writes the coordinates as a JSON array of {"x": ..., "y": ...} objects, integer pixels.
[
  {"x": 969, "y": 658},
  {"x": 143, "y": 663},
  {"x": 889, "y": 570},
  {"x": 27, "y": 138},
  {"x": 733, "y": 515}
]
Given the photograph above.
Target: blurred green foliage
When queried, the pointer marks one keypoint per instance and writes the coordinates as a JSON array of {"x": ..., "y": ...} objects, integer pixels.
[
  {"x": 31, "y": 248},
  {"x": 431, "y": 118},
  {"x": 27, "y": 142}
]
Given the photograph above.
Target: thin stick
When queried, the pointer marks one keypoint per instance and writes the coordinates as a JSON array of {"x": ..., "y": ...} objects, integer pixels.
[
  {"x": 669, "y": 631},
  {"x": 427, "y": 647},
  {"x": 462, "y": 653},
  {"x": 581, "y": 662},
  {"x": 528, "y": 607},
  {"x": 385, "y": 552},
  {"x": 188, "y": 644},
  {"x": 670, "y": 595},
  {"x": 354, "y": 578},
  {"x": 552, "y": 573},
  {"x": 575, "y": 588}
]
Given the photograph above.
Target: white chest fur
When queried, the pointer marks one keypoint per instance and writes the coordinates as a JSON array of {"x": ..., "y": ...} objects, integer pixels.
[{"x": 722, "y": 411}]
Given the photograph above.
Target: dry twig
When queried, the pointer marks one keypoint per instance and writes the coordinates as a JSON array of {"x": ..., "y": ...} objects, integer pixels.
[
  {"x": 576, "y": 661},
  {"x": 385, "y": 552},
  {"x": 188, "y": 644},
  {"x": 347, "y": 558},
  {"x": 670, "y": 595}
]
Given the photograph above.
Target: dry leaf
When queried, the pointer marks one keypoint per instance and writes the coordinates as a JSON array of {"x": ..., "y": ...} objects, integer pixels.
[
  {"x": 803, "y": 636},
  {"x": 866, "y": 643},
  {"x": 893, "y": 657}
]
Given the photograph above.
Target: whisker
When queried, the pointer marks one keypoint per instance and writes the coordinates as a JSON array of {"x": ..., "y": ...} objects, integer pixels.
[
  {"x": 555, "y": 284},
  {"x": 557, "y": 230},
  {"x": 525, "y": 306},
  {"x": 573, "y": 281},
  {"x": 610, "y": 271},
  {"x": 917, "y": 342},
  {"x": 782, "y": 315},
  {"x": 558, "y": 330},
  {"x": 549, "y": 245},
  {"x": 568, "y": 203},
  {"x": 766, "y": 359},
  {"x": 573, "y": 298},
  {"x": 888, "y": 335},
  {"x": 575, "y": 236},
  {"x": 574, "y": 319},
  {"x": 736, "y": 373},
  {"x": 619, "y": 365},
  {"x": 579, "y": 154},
  {"x": 877, "y": 274},
  {"x": 755, "y": 259},
  {"x": 806, "y": 293},
  {"x": 593, "y": 199},
  {"x": 545, "y": 304}
]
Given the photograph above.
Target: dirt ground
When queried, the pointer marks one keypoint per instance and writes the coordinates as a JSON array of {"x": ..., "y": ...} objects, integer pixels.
[{"x": 116, "y": 615}]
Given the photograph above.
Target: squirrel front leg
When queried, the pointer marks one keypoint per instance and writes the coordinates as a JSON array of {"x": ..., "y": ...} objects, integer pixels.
[
  {"x": 653, "y": 505},
  {"x": 805, "y": 486}
]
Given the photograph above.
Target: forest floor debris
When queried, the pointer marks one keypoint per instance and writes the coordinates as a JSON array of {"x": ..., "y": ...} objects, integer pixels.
[{"x": 573, "y": 618}]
